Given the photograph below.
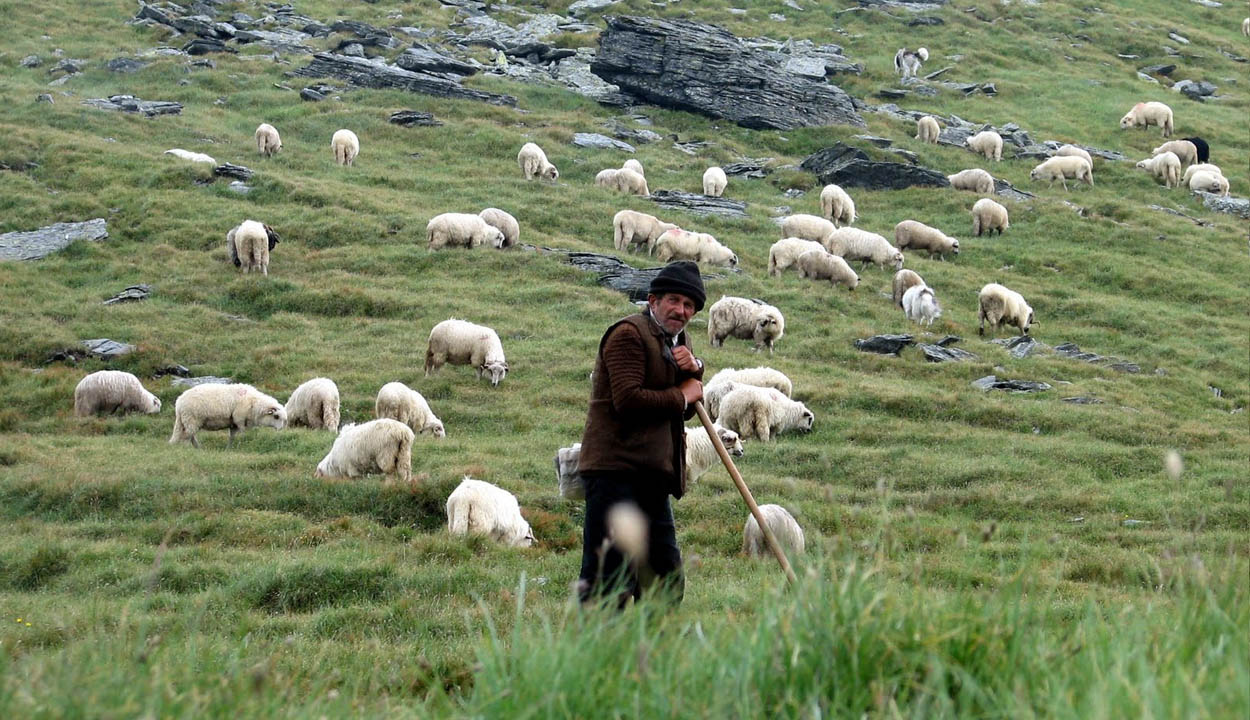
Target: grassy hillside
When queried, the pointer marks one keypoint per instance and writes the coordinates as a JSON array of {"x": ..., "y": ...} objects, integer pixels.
[{"x": 969, "y": 553}]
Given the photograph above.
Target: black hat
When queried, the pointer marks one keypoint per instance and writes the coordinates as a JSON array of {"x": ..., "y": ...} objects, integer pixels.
[{"x": 680, "y": 277}]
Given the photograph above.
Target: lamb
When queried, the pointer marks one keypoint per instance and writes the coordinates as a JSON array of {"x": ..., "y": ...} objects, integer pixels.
[
  {"x": 1200, "y": 167},
  {"x": 1147, "y": 114},
  {"x": 632, "y": 164},
  {"x": 784, "y": 528},
  {"x": 1185, "y": 151},
  {"x": 927, "y": 129},
  {"x": 378, "y": 446},
  {"x": 623, "y": 180},
  {"x": 630, "y": 227},
  {"x": 192, "y": 156},
  {"x": 678, "y": 244},
  {"x": 1209, "y": 182},
  {"x": 808, "y": 227},
  {"x": 399, "y": 402},
  {"x": 461, "y": 229},
  {"x": 855, "y": 244},
  {"x": 506, "y": 224},
  {"x": 714, "y": 182},
  {"x": 346, "y": 147},
  {"x": 920, "y": 305},
  {"x": 974, "y": 179},
  {"x": 907, "y": 62},
  {"x": 218, "y": 407},
  {"x": 1166, "y": 167},
  {"x": 113, "y": 391},
  {"x": 744, "y": 319},
  {"x": 1002, "y": 306},
  {"x": 762, "y": 413},
  {"x": 988, "y": 216},
  {"x": 249, "y": 246},
  {"x": 822, "y": 265},
  {"x": 1074, "y": 151},
  {"x": 903, "y": 281},
  {"x": 1061, "y": 167},
  {"x": 757, "y": 376},
  {"x": 481, "y": 508},
  {"x": 912, "y": 234},
  {"x": 836, "y": 206},
  {"x": 786, "y": 252},
  {"x": 268, "y": 142},
  {"x": 314, "y": 404},
  {"x": 701, "y": 454},
  {"x": 987, "y": 143},
  {"x": 1204, "y": 150},
  {"x": 534, "y": 164},
  {"x": 463, "y": 343}
]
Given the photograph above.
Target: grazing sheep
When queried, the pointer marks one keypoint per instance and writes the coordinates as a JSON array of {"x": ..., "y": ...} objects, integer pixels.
[
  {"x": 623, "y": 180},
  {"x": 786, "y": 252},
  {"x": 714, "y": 392},
  {"x": 191, "y": 156},
  {"x": 249, "y": 245},
  {"x": 463, "y": 343},
  {"x": 484, "y": 509},
  {"x": 927, "y": 129},
  {"x": 268, "y": 142},
  {"x": 808, "y": 227},
  {"x": 1204, "y": 150},
  {"x": 920, "y": 305},
  {"x": 762, "y": 413},
  {"x": 781, "y": 523},
  {"x": 714, "y": 182},
  {"x": 1075, "y": 151},
  {"x": 701, "y": 454},
  {"x": 836, "y": 206},
  {"x": 113, "y": 391},
  {"x": 854, "y": 244},
  {"x": 907, "y": 62},
  {"x": 757, "y": 376},
  {"x": 987, "y": 143},
  {"x": 314, "y": 404},
  {"x": 974, "y": 179},
  {"x": 533, "y": 162},
  {"x": 744, "y": 319},
  {"x": 506, "y": 224},
  {"x": 1185, "y": 151},
  {"x": 1200, "y": 167},
  {"x": 912, "y": 234},
  {"x": 903, "y": 281},
  {"x": 236, "y": 407},
  {"x": 399, "y": 402},
  {"x": 1209, "y": 182},
  {"x": 346, "y": 147},
  {"x": 988, "y": 216},
  {"x": 461, "y": 229},
  {"x": 378, "y": 446},
  {"x": 632, "y": 164},
  {"x": 630, "y": 227},
  {"x": 1166, "y": 167},
  {"x": 1002, "y": 306},
  {"x": 678, "y": 244},
  {"x": 1147, "y": 114},
  {"x": 1061, "y": 167},
  {"x": 1245, "y": 27},
  {"x": 823, "y": 265}
]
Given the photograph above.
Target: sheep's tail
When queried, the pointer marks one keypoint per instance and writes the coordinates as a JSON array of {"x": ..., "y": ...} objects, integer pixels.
[
  {"x": 233, "y": 248},
  {"x": 461, "y": 518},
  {"x": 976, "y": 224},
  {"x": 429, "y": 361},
  {"x": 772, "y": 263},
  {"x": 618, "y": 236},
  {"x": 403, "y": 459},
  {"x": 179, "y": 429},
  {"x": 329, "y": 416}
]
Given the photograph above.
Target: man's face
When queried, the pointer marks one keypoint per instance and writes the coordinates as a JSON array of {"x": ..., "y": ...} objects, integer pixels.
[{"x": 672, "y": 311}]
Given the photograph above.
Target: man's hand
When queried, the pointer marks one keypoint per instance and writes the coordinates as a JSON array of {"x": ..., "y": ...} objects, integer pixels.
[
  {"x": 692, "y": 390},
  {"x": 685, "y": 359}
]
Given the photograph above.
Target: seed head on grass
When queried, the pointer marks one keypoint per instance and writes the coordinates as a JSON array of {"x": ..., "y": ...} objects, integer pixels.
[
  {"x": 1173, "y": 464},
  {"x": 627, "y": 527}
]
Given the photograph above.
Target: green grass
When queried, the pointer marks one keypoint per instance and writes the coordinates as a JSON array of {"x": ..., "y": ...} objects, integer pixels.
[{"x": 969, "y": 551}]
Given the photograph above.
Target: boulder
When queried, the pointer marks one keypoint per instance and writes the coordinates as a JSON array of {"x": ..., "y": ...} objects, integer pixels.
[
  {"x": 414, "y": 118},
  {"x": 422, "y": 58},
  {"x": 279, "y": 39},
  {"x": 107, "y": 349},
  {"x": 125, "y": 65},
  {"x": 315, "y": 93},
  {"x": 699, "y": 204},
  {"x": 602, "y": 142},
  {"x": 748, "y": 168},
  {"x": 35, "y": 244},
  {"x": 1158, "y": 69},
  {"x": 885, "y": 344},
  {"x": 582, "y": 7},
  {"x": 937, "y": 353},
  {"x": 574, "y": 73},
  {"x": 230, "y": 170},
  {"x": 31, "y": 61},
  {"x": 130, "y": 294},
  {"x": 1231, "y": 205},
  {"x": 990, "y": 382},
  {"x": 203, "y": 46},
  {"x": 1073, "y": 352},
  {"x": 615, "y": 274},
  {"x": 1020, "y": 346},
  {"x": 363, "y": 73}
]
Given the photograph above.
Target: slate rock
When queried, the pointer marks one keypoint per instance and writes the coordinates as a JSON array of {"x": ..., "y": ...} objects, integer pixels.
[
  {"x": 239, "y": 187},
  {"x": 69, "y": 66},
  {"x": 107, "y": 349},
  {"x": 892, "y": 93},
  {"x": 748, "y": 168},
  {"x": 204, "y": 46},
  {"x": 35, "y": 244},
  {"x": 175, "y": 370},
  {"x": 130, "y": 294},
  {"x": 885, "y": 344},
  {"x": 230, "y": 170},
  {"x": 907, "y": 155},
  {"x": 31, "y": 61},
  {"x": 925, "y": 20},
  {"x": 414, "y": 118},
  {"x": 575, "y": 74},
  {"x": 363, "y": 73},
  {"x": 1020, "y": 346},
  {"x": 279, "y": 39},
  {"x": 881, "y": 142},
  {"x": 990, "y": 382},
  {"x": 44, "y": 97},
  {"x": 1230, "y": 205},
  {"x": 582, "y": 7},
  {"x": 1159, "y": 69},
  {"x": 602, "y": 142},
  {"x": 351, "y": 49},
  {"x": 1074, "y": 352},
  {"x": 884, "y": 176},
  {"x": 699, "y": 204},
  {"x": 202, "y": 380},
  {"x": 125, "y": 65},
  {"x": 615, "y": 274},
  {"x": 937, "y": 353},
  {"x": 831, "y": 158},
  {"x": 1083, "y": 400},
  {"x": 423, "y": 58},
  {"x": 948, "y": 340}
]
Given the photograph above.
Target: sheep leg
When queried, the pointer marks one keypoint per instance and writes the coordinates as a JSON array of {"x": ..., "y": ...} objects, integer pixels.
[
  {"x": 195, "y": 443},
  {"x": 230, "y": 442}
]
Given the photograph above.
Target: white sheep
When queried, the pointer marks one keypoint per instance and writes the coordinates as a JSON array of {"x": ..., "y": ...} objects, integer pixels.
[
  {"x": 786, "y": 251},
  {"x": 987, "y": 143},
  {"x": 268, "y": 142},
  {"x": 249, "y": 244},
  {"x": 714, "y": 392},
  {"x": 744, "y": 319},
  {"x": 191, "y": 156},
  {"x": 854, "y": 244},
  {"x": 678, "y": 244},
  {"x": 755, "y": 412},
  {"x": 314, "y": 404},
  {"x": 630, "y": 227},
  {"x": 346, "y": 146},
  {"x": 379, "y": 446},
  {"x": 482, "y": 508},
  {"x": 824, "y": 265},
  {"x": 463, "y": 230},
  {"x": 534, "y": 164},
  {"x": 1000, "y": 305},
  {"x": 623, "y": 180},
  {"x": 1166, "y": 167},
  {"x": 113, "y": 391},
  {"x": 399, "y": 402},
  {"x": 904, "y": 280},
  {"x": 1200, "y": 167},
  {"x": 781, "y": 523},
  {"x": 920, "y": 305},
  {"x": 506, "y": 224},
  {"x": 1207, "y": 181},
  {"x": 632, "y": 164},
  {"x": 1074, "y": 151},
  {"x": 701, "y": 454},
  {"x": 462, "y": 343},
  {"x": 928, "y": 129},
  {"x": 988, "y": 216},
  {"x": 714, "y": 182},
  {"x": 757, "y": 376},
  {"x": 917, "y": 235},
  {"x": 1147, "y": 114},
  {"x": 213, "y": 406},
  {"x": 974, "y": 179},
  {"x": 808, "y": 227},
  {"x": 1245, "y": 27},
  {"x": 1062, "y": 167},
  {"x": 836, "y": 206},
  {"x": 1185, "y": 151}
]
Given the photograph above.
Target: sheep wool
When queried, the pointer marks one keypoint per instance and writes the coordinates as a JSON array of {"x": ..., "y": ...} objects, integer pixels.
[
  {"x": 918, "y": 236},
  {"x": 988, "y": 216},
  {"x": 974, "y": 179},
  {"x": 987, "y": 143},
  {"x": 920, "y": 305},
  {"x": 808, "y": 227},
  {"x": 268, "y": 142},
  {"x": 534, "y": 164},
  {"x": 1074, "y": 151},
  {"x": 191, "y": 156},
  {"x": 632, "y": 164},
  {"x": 1200, "y": 167},
  {"x": 783, "y": 526},
  {"x": 714, "y": 392},
  {"x": 249, "y": 244},
  {"x": 1147, "y": 114},
  {"x": 714, "y": 182},
  {"x": 631, "y": 228},
  {"x": 701, "y": 454},
  {"x": 1166, "y": 167},
  {"x": 855, "y": 244},
  {"x": 757, "y": 376},
  {"x": 314, "y": 404},
  {"x": 1062, "y": 167},
  {"x": 903, "y": 280},
  {"x": 1000, "y": 305},
  {"x": 927, "y": 129},
  {"x": 836, "y": 206},
  {"x": 678, "y": 244},
  {"x": 462, "y": 343},
  {"x": 623, "y": 180},
  {"x": 762, "y": 413},
  {"x": 744, "y": 319},
  {"x": 1206, "y": 181},
  {"x": 505, "y": 223},
  {"x": 1184, "y": 150},
  {"x": 346, "y": 147},
  {"x": 399, "y": 402},
  {"x": 378, "y": 446},
  {"x": 786, "y": 251},
  {"x": 461, "y": 230},
  {"x": 482, "y": 508},
  {"x": 235, "y": 407},
  {"x": 113, "y": 391},
  {"x": 823, "y": 265}
]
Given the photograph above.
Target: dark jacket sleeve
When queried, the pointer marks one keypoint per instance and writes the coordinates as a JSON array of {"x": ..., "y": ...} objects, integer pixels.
[{"x": 624, "y": 358}]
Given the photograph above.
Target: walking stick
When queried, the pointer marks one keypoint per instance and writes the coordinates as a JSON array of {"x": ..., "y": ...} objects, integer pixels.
[{"x": 746, "y": 492}]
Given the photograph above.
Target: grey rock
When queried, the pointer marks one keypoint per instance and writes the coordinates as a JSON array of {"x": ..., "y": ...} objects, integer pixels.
[
  {"x": 283, "y": 40},
  {"x": 617, "y": 275},
  {"x": 582, "y": 7},
  {"x": 748, "y": 168},
  {"x": 925, "y": 20},
  {"x": 362, "y": 73},
  {"x": 239, "y": 187},
  {"x": 69, "y": 66},
  {"x": 1233, "y": 56},
  {"x": 574, "y": 73},
  {"x": 638, "y": 135},
  {"x": 130, "y": 294},
  {"x": 107, "y": 349},
  {"x": 201, "y": 25},
  {"x": 1147, "y": 78},
  {"x": 885, "y": 344},
  {"x": 892, "y": 93},
  {"x": 414, "y": 118},
  {"x": 776, "y": 17},
  {"x": 230, "y": 170},
  {"x": 31, "y": 61},
  {"x": 602, "y": 142},
  {"x": 989, "y": 89},
  {"x": 965, "y": 88},
  {"x": 44, "y": 97},
  {"x": 924, "y": 91},
  {"x": 352, "y": 49},
  {"x": 312, "y": 94},
  {"x": 1007, "y": 190},
  {"x": 881, "y": 142},
  {"x": 831, "y": 158},
  {"x": 948, "y": 340},
  {"x": 1073, "y": 352},
  {"x": 809, "y": 66},
  {"x": 125, "y": 65},
  {"x": 699, "y": 204},
  {"x": 793, "y": 193},
  {"x": 1197, "y": 221},
  {"x": 1083, "y": 400},
  {"x": 175, "y": 370},
  {"x": 201, "y": 380},
  {"x": 60, "y": 81},
  {"x": 991, "y": 382},
  {"x": 1178, "y": 38},
  {"x": 1165, "y": 69},
  {"x": 937, "y": 73},
  {"x": 542, "y": 25},
  {"x": 423, "y": 58},
  {"x": 937, "y": 353},
  {"x": 691, "y": 147},
  {"x": 35, "y": 244},
  {"x": 907, "y": 155},
  {"x": 1020, "y": 346},
  {"x": 1230, "y": 205},
  {"x": 203, "y": 46},
  {"x": 849, "y": 167}
]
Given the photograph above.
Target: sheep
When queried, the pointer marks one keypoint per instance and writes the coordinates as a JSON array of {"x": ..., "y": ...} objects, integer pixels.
[
  {"x": 714, "y": 182},
  {"x": 786, "y": 251},
  {"x": 461, "y": 229},
  {"x": 534, "y": 164},
  {"x": 855, "y": 244},
  {"x": 678, "y": 244},
  {"x": 1147, "y": 114},
  {"x": 192, "y": 156},
  {"x": 623, "y": 180},
  {"x": 1062, "y": 167},
  {"x": 215, "y": 406},
  {"x": 632, "y": 164},
  {"x": 701, "y": 454},
  {"x": 1000, "y": 305},
  {"x": 912, "y": 234},
  {"x": 920, "y": 305},
  {"x": 346, "y": 147},
  {"x": 462, "y": 343},
  {"x": 808, "y": 227},
  {"x": 903, "y": 281},
  {"x": 988, "y": 216},
  {"x": 744, "y": 319},
  {"x": 822, "y": 265},
  {"x": 268, "y": 142},
  {"x": 1204, "y": 150},
  {"x": 630, "y": 227},
  {"x": 506, "y": 224},
  {"x": 836, "y": 206},
  {"x": 482, "y": 508},
  {"x": 927, "y": 129},
  {"x": 378, "y": 446},
  {"x": 314, "y": 404},
  {"x": 399, "y": 402},
  {"x": 1166, "y": 167},
  {"x": 1185, "y": 151},
  {"x": 1070, "y": 150},
  {"x": 1200, "y": 167},
  {"x": 113, "y": 391},
  {"x": 781, "y": 523},
  {"x": 757, "y": 376},
  {"x": 907, "y": 62},
  {"x": 987, "y": 143},
  {"x": 1245, "y": 27},
  {"x": 974, "y": 179},
  {"x": 714, "y": 392},
  {"x": 762, "y": 413},
  {"x": 249, "y": 245},
  {"x": 1209, "y": 182}
]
